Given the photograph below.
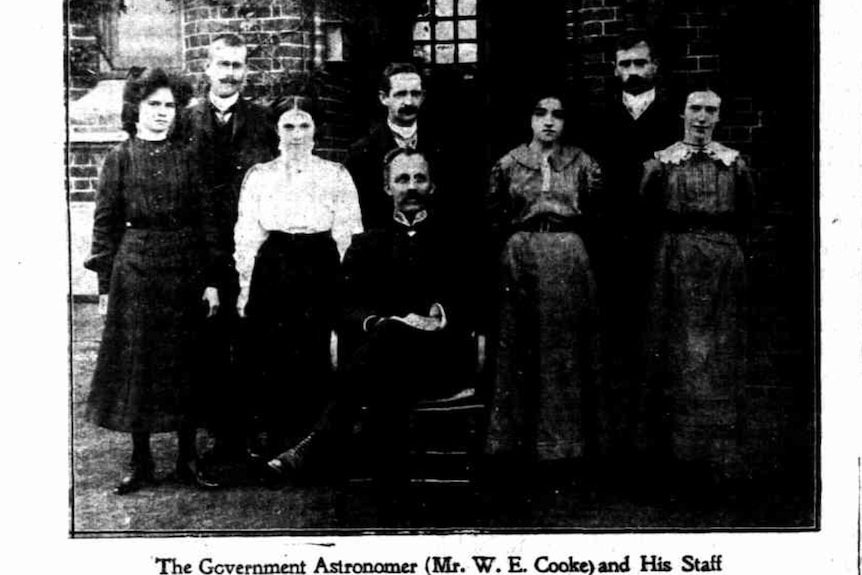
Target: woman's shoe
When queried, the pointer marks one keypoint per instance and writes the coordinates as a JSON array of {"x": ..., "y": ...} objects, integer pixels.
[
  {"x": 138, "y": 476},
  {"x": 188, "y": 473}
]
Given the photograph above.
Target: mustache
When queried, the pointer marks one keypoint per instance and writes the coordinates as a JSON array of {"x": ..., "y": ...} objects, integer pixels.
[
  {"x": 409, "y": 109},
  {"x": 635, "y": 81}
]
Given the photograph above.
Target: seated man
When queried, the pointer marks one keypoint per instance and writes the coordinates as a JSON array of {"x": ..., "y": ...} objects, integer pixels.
[{"x": 406, "y": 332}]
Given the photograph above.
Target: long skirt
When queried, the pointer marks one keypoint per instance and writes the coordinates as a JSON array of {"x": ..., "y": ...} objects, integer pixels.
[
  {"x": 149, "y": 356},
  {"x": 696, "y": 348},
  {"x": 291, "y": 311},
  {"x": 548, "y": 347}
]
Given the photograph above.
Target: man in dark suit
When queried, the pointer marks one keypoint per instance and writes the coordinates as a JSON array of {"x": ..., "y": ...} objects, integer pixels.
[
  {"x": 407, "y": 317},
  {"x": 625, "y": 132},
  {"x": 402, "y": 94},
  {"x": 227, "y": 135}
]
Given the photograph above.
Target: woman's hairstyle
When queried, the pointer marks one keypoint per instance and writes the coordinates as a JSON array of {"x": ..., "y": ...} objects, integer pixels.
[
  {"x": 304, "y": 103},
  {"x": 140, "y": 84},
  {"x": 551, "y": 92}
]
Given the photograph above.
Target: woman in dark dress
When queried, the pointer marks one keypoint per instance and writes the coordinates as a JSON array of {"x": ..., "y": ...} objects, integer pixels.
[
  {"x": 547, "y": 333},
  {"x": 153, "y": 242},
  {"x": 700, "y": 195},
  {"x": 297, "y": 215}
]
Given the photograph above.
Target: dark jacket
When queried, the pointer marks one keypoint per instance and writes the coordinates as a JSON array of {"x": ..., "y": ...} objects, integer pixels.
[
  {"x": 621, "y": 145},
  {"x": 365, "y": 164},
  {"x": 224, "y": 161},
  {"x": 387, "y": 272}
]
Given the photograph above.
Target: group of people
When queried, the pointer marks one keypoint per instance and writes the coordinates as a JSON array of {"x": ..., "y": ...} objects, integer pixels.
[{"x": 608, "y": 283}]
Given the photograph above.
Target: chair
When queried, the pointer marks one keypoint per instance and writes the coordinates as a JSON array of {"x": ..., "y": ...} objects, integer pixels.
[{"x": 445, "y": 435}]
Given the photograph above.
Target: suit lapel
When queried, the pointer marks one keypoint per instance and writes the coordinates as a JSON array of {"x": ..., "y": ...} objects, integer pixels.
[
  {"x": 204, "y": 119},
  {"x": 238, "y": 118}
]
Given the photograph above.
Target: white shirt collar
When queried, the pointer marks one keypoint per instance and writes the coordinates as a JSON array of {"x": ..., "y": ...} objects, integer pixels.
[
  {"x": 399, "y": 217},
  {"x": 637, "y": 104},
  {"x": 223, "y": 104},
  {"x": 404, "y": 135}
]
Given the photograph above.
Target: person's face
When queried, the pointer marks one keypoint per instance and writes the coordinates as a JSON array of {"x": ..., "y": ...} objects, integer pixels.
[
  {"x": 404, "y": 99},
  {"x": 157, "y": 111},
  {"x": 226, "y": 69},
  {"x": 547, "y": 121},
  {"x": 409, "y": 183},
  {"x": 296, "y": 131},
  {"x": 701, "y": 116},
  {"x": 636, "y": 69}
]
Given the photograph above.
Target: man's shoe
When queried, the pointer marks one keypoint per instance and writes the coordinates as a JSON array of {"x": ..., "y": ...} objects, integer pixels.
[
  {"x": 138, "y": 476},
  {"x": 289, "y": 463}
]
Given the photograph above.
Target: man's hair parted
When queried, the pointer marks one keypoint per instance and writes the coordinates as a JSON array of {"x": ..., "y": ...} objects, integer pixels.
[
  {"x": 396, "y": 152},
  {"x": 228, "y": 39},
  {"x": 631, "y": 39},
  {"x": 396, "y": 68}
]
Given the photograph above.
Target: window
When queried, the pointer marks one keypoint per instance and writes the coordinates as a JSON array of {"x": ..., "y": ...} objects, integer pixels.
[
  {"x": 446, "y": 32},
  {"x": 145, "y": 33}
]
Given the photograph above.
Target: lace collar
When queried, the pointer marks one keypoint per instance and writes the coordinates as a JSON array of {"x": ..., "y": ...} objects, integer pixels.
[{"x": 680, "y": 152}]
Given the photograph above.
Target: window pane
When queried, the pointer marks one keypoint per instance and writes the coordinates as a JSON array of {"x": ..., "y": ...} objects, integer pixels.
[
  {"x": 444, "y": 31},
  {"x": 422, "y": 31},
  {"x": 444, "y": 8},
  {"x": 423, "y": 52},
  {"x": 148, "y": 34},
  {"x": 424, "y": 9},
  {"x": 445, "y": 53},
  {"x": 468, "y": 52},
  {"x": 467, "y": 30},
  {"x": 466, "y": 7}
]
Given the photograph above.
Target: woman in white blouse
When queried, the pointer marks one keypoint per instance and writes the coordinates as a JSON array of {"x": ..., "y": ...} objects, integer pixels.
[{"x": 297, "y": 215}]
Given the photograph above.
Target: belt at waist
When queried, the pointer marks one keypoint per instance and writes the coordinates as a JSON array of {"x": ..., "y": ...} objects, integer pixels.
[
  {"x": 155, "y": 228},
  {"x": 681, "y": 223},
  {"x": 551, "y": 224},
  {"x": 279, "y": 237}
]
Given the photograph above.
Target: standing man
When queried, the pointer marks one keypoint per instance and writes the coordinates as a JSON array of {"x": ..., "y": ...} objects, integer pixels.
[
  {"x": 227, "y": 135},
  {"x": 402, "y": 95},
  {"x": 629, "y": 128}
]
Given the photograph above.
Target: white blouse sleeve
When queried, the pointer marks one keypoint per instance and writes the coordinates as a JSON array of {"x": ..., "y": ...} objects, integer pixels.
[
  {"x": 347, "y": 217},
  {"x": 249, "y": 235}
]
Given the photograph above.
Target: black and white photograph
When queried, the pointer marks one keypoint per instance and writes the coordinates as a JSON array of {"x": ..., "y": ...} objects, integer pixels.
[
  {"x": 437, "y": 266},
  {"x": 433, "y": 286}
]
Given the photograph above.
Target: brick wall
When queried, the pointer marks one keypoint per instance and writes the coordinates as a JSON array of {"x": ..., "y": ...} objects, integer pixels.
[
  {"x": 281, "y": 50},
  {"x": 85, "y": 160},
  {"x": 83, "y": 56},
  {"x": 278, "y": 36},
  {"x": 705, "y": 42}
]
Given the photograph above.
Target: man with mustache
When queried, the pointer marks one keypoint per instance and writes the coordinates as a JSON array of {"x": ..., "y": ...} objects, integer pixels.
[
  {"x": 406, "y": 323},
  {"x": 402, "y": 95},
  {"x": 227, "y": 135},
  {"x": 625, "y": 133}
]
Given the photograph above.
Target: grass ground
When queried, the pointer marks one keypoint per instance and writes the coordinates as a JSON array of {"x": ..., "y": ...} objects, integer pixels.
[{"x": 98, "y": 456}]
